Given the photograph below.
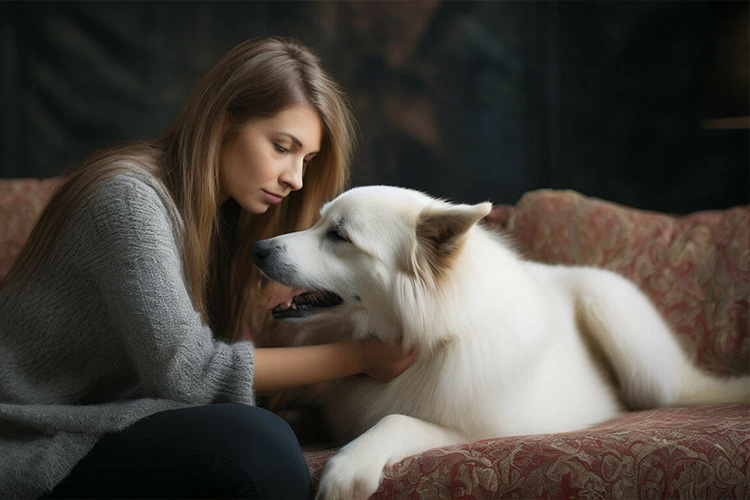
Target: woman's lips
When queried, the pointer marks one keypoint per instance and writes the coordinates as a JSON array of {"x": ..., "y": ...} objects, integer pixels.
[{"x": 272, "y": 198}]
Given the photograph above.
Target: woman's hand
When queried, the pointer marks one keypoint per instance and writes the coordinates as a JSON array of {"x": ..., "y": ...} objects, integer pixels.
[{"x": 381, "y": 360}]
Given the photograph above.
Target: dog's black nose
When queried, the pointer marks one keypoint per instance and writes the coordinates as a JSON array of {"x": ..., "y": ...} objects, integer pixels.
[{"x": 260, "y": 251}]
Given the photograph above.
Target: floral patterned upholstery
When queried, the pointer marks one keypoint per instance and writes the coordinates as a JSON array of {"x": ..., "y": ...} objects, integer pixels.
[
  {"x": 21, "y": 203},
  {"x": 696, "y": 268},
  {"x": 690, "y": 453}
]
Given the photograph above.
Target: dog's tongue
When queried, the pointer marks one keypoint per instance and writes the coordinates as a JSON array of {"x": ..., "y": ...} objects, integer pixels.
[{"x": 283, "y": 295}]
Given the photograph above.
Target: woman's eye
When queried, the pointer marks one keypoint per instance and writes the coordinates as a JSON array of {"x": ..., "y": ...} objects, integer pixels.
[
  {"x": 280, "y": 149},
  {"x": 334, "y": 235}
]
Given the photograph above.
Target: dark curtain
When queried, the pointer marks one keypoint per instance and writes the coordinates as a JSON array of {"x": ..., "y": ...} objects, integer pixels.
[{"x": 469, "y": 101}]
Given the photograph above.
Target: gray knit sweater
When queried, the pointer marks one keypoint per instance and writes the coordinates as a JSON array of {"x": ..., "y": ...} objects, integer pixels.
[{"x": 104, "y": 334}]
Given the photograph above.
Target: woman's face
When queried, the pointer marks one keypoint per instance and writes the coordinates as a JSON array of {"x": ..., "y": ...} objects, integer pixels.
[{"x": 265, "y": 160}]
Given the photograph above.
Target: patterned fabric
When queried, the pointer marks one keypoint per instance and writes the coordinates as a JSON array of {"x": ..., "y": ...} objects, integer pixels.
[
  {"x": 21, "y": 203},
  {"x": 684, "y": 453},
  {"x": 696, "y": 268}
]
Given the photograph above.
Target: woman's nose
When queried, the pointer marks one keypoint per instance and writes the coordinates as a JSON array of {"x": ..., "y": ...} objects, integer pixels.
[{"x": 292, "y": 176}]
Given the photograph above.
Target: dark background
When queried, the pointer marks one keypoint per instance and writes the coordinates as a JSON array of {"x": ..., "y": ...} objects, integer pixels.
[{"x": 465, "y": 100}]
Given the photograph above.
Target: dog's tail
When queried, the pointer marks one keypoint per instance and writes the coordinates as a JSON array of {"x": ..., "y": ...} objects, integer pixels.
[
  {"x": 699, "y": 388},
  {"x": 651, "y": 367}
]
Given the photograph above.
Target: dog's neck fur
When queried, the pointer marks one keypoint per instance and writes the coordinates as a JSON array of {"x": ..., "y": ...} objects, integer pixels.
[{"x": 430, "y": 332}]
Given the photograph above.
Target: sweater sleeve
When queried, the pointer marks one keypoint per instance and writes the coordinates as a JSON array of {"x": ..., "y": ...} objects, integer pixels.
[{"x": 135, "y": 262}]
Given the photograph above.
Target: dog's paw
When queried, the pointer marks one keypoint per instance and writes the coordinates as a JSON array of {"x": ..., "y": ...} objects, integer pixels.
[{"x": 348, "y": 477}]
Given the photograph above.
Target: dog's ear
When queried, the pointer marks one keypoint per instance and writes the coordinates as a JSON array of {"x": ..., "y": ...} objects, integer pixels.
[{"x": 440, "y": 232}]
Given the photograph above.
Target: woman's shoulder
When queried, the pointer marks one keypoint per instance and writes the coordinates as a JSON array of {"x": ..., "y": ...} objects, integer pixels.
[
  {"x": 128, "y": 186},
  {"x": 131, "y": 194},
  {"x": 131, "y": 203}
]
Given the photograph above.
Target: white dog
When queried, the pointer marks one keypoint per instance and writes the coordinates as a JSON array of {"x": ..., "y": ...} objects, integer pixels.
[{"x": 506, "y": 346}]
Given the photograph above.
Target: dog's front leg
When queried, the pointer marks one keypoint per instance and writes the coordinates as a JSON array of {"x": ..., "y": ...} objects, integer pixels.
[{"x": 356, "y": 471}]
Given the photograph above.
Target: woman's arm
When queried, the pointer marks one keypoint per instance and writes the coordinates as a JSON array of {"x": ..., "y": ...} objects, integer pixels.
[
  {"x": 128, "y": 249},
  {"x": 280, "y": 368}
]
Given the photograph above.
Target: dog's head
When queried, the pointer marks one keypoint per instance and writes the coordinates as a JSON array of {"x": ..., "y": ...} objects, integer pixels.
[{"x": 376, "y": 255}]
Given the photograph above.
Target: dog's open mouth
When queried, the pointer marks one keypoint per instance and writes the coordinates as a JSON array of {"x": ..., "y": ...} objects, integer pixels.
[{"x": 308, "y": 304}]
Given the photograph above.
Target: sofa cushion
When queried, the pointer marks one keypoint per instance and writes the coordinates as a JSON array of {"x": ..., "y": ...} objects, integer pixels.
[
  {"x": 665, "y": 453},
  {"x": 695, "y": 267}
]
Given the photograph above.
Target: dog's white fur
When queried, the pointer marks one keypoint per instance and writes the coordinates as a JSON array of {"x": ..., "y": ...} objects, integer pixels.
[{"x": 506, "y": 346}]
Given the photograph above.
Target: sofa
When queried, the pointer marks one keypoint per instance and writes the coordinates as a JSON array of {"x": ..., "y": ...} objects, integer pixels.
[{"x": 695, "y": 267}]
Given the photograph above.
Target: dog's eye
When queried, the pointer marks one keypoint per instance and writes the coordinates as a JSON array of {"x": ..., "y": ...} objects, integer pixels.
[{"x": 333, "y": 234}]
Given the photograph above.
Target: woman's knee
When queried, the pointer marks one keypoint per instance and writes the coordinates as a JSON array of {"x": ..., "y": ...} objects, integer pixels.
[
  {"x": 241, "y": 447},
  {"x": 265, "y": 447}
]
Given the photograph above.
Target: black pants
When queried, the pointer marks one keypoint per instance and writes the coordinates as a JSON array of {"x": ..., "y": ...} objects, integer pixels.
[{"x": 216, "y": 451}]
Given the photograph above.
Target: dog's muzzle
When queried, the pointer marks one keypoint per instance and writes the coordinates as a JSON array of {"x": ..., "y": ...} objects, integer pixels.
[
  {"x": 260, "y": 252},
  {"x": 269, "y": 259}
]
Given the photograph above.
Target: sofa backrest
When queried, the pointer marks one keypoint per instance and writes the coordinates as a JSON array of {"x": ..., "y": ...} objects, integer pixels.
[
  {"x": 696, "y": 267},
  {"x": 21, "y": 204}
]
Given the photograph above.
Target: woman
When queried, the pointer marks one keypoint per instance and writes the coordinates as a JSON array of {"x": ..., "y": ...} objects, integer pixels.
[{"x": 122, "y": 371}]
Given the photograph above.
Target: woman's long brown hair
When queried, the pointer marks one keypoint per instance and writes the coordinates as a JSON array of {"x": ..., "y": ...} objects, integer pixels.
[{"x": 256, "y": 79}]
